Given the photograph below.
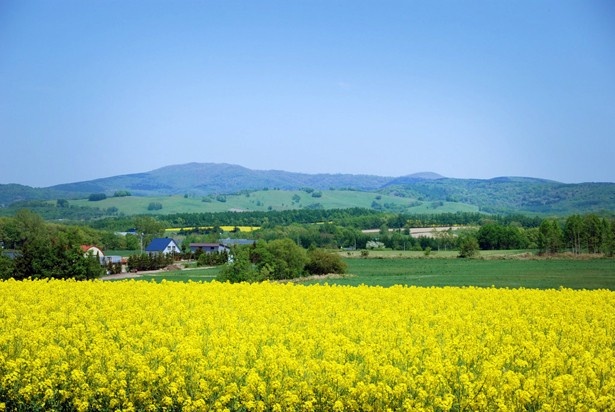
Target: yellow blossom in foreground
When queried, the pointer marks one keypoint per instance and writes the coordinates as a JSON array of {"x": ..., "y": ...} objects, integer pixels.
[{"x": 96, "y": 346}]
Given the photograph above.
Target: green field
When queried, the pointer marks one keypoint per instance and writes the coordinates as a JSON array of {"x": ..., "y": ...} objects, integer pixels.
[
  {"x": 439, "y": 272},
  {"x": 501, "y": 273},
  {"x": 265, "y": 200}
]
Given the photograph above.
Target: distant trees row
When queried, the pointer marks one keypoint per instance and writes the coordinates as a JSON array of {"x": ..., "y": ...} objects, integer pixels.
[
  {"x": 42, "y": 249},
  {"x": 94, "y": 197},
  {"x": 578, "y": 234},
  {"x": 60, "y": 210},
  {"x": 342, "y": 229},
  {"x": 359, "y": 218}
]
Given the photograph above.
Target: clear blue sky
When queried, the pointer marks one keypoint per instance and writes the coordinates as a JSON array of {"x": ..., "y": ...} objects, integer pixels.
[{"x": 468, "y": 89}]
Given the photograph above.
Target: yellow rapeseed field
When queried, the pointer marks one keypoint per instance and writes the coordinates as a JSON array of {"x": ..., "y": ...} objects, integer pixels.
[
  {"x": 224, "y": 228},
  {"x": 96, "y": 346}
]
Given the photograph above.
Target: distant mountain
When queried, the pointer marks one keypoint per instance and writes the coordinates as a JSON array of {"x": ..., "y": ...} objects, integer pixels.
[
  {"x": 211, "y": 178},
  {"x": 497, "y": 195}
]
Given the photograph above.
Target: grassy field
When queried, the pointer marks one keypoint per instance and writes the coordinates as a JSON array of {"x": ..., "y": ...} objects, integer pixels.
[
  {"x": 501, "y": 273},
  {"x": 435, "y": 254},
  {"x": 440, "y": 272},
  {"x": 265, "y": 200}
]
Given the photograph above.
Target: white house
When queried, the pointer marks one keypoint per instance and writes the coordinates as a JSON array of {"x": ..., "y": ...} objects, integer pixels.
[{"x": 164, "y": 245}]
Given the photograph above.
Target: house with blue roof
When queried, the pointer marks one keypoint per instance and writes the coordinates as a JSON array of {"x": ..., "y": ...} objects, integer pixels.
[{"x": 164, "y": 245}]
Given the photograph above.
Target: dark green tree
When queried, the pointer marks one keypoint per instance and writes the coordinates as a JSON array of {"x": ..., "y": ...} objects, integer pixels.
[
  {"x": 63, "y": 203},
  {"x": 275, "y": 260},
  {"x": 240, "y": 269},
  {"x": 47, "y": 251},
  {"x": 592, "y": 233},
  {"x": 95, "y": 197},
  {"x": 322, "y": 262},
  {"x": 609, "y": 238},
  {"x": 550, "y": 237},
  {"x": 468, "y": 245},
  {"x": 148, "y": 228},
  {"x": 7, "y": 266},
  {"x": 287, "y": 260},
  {"x": 154, "y": 206}
]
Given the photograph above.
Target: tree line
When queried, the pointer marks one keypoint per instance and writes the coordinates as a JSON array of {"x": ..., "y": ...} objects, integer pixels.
[
  {"x": 35, "y": 248},
  {"x": 578, "y": 234},
  {"x": 42, "y": 250},
  {"x": 358, "y": 218}
]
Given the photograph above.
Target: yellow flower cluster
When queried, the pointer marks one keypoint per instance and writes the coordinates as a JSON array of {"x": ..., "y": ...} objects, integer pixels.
[{"x": 96, "y": 346}]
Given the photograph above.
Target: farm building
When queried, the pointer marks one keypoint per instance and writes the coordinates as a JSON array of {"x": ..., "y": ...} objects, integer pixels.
[
  {"x": 208, "y": 247},
  {"x": 87, "y": 249},
  {"x": 164, "y": 245},
  {"x": 94, "y": 251},
  {"x": 233, "y": 242}
]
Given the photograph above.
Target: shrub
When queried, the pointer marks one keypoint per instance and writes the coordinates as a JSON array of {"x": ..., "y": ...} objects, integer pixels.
[
  {"x": 154, "y": 206},
  {"x": 95, "y": 197},
  {"x": 275, "y": 260},
  {"x": 212, "y": 259},
  {"x": 468, "y": 246},
  {"x": 322, "y": 262}
]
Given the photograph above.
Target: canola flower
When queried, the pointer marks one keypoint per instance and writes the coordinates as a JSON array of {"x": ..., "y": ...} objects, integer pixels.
[{"x": 128, "y": 346}]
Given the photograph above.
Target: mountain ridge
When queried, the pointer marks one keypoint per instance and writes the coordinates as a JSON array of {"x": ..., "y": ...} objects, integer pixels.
[{"x": 503, "y": 194}]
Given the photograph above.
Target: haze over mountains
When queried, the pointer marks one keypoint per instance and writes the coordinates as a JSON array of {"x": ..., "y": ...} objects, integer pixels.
[{"x": 501, "y": 194}]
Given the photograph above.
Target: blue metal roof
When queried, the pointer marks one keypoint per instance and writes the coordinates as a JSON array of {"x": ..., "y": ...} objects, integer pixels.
[{"x": 158, "y": 244}]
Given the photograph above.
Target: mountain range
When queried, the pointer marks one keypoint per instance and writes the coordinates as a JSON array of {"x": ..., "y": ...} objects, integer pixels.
[{"x": 497, "y": 195}]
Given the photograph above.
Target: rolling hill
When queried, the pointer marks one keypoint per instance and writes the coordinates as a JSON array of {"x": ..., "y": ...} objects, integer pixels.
[
  {"x": 215, "y": 178},
  {"x": 196, "y": 182}
]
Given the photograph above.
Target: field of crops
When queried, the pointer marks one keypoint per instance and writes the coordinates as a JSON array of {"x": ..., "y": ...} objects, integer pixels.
[
  {"x": 131, "y": 345},
  {"x": 502, "y": 273}
]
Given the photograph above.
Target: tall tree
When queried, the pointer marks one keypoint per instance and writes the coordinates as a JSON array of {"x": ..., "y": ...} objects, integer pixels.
[
  {"x": 592, "y": 233},
  {"x": 573, "y": 232},
  {"x": 468, "y": 245},
  {"x": 549, "y": 236}
]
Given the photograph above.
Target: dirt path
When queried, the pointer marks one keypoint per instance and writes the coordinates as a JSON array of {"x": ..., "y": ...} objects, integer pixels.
[{"x": 131, "y": 275}]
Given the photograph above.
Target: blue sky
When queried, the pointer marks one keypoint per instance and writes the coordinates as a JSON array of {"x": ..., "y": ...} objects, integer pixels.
[{"x": 468, "y": 89}]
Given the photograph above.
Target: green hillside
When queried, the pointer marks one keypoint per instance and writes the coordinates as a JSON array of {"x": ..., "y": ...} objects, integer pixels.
[
  {"x": 265, "y": 200},
  {"x": 182, "y": 188},
  {"x": 513, "y": 194}
]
